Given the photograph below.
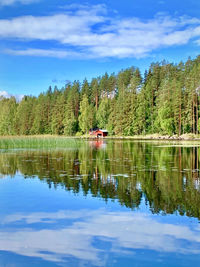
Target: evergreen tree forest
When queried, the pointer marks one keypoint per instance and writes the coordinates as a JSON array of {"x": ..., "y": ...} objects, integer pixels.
[{"x": 164, "y": 100}]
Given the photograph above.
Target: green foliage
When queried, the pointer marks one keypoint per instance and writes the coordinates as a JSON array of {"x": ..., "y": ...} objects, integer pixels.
[
  {"x": 166, "y": 122},
  {"x": 58, "y": 113},
  {"x": 70, "y": 122},
  {"x": 86, "y": 117},
  {"x": 165, "y": 101},
  {"x": 103, "y": 113},
  {"x": 8, "y": 109}
]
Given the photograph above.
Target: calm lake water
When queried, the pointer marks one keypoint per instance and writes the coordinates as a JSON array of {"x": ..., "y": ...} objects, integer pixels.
[{"x": 100, "y": 203}]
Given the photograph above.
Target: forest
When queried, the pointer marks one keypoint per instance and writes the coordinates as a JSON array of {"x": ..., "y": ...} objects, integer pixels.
[{"x": 165, "y": 100}]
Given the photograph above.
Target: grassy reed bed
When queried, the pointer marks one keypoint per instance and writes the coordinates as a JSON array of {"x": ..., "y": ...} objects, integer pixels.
[{"x": 31, "y": 142}]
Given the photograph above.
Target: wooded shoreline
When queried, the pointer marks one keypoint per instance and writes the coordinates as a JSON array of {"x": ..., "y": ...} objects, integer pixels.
[
  {"x": 165, "y": 101},
  {"x": 186, "y": 137}
]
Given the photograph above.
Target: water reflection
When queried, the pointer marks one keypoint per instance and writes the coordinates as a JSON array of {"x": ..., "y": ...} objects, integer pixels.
[
  {"x": 88, "y": 230},
  {"x": 98, "y": 144},
  {"x": 167, "y": 177},
  {"x": 149, "y": 179}
]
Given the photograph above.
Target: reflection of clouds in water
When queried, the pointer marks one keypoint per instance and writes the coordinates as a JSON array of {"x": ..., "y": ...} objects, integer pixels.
[
  {"x": 124, "y": 230},
  {"x": 51, "y": 245},
  {"x": 39, "y": 217}
]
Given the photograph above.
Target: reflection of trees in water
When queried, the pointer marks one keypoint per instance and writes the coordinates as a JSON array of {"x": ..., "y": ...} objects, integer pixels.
[{"x": 167, "y": 177}]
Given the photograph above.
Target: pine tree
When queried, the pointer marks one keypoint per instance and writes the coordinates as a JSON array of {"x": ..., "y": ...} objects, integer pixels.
[
  {"x": 24, "y": 115},
  {"x": 86, "y": 117},
  {"x": 8, "y": 109},
  {"x": 103, "y": 113},
  {"x": 70, "y": 121},
  {"x": 58, "y": 115}
]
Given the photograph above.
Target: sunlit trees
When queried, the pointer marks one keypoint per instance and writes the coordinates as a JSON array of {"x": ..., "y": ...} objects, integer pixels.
[
  {"x": 103, "y": 113},
  {"x": 86, "y": 117},
  {"x": 165, "y": 101},
  {"x": 8, "y": 109}
]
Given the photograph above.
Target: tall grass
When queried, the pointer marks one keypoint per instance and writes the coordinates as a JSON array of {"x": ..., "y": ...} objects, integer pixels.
[{"x": 31, "y": 142}]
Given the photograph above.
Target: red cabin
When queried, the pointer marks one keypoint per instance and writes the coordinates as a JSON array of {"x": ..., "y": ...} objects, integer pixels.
[{"x": 98, "y": 132}]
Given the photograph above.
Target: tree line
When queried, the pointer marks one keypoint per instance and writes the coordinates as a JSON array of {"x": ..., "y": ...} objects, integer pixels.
[{"x": 165, "y": 100}]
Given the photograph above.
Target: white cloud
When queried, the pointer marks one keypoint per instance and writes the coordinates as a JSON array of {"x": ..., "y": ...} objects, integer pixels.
[
  {"x": 125, "y": 231},
  {"x": 89, "y": 32},
  {"x": 5, "y": 94},
  {"x": 12, "y": 2},
  {"x": 43, "y": 53}
]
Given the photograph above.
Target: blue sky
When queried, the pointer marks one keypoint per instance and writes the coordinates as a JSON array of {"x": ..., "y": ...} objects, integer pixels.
[{"x": 46, "y": 42}]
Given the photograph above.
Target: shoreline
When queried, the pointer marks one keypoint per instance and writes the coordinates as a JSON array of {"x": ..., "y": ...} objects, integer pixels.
[
  {"x": 159, "y": 138},
  {"x": 150, "y": 137}
]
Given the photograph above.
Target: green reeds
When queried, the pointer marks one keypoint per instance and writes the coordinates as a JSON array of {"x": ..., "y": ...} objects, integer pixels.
[{"x": 31, "y": 142}]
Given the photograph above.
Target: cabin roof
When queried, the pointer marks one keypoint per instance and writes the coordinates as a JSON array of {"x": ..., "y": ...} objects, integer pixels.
[
  {"x": 97, "y": 129},
  {"x": 104, "y": 131}
]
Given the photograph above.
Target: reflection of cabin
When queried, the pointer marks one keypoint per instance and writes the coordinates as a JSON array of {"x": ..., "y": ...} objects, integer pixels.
[
  {"x": 98, "y": 143},
  {"x": 98, "y": 132}
]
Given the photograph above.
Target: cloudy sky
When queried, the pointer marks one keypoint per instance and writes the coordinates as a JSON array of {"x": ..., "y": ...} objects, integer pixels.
[{"x": 45, "y": 43}]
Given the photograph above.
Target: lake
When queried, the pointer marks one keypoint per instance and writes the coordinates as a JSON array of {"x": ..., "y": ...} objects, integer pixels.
[{"x": 100, "y": 203}]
